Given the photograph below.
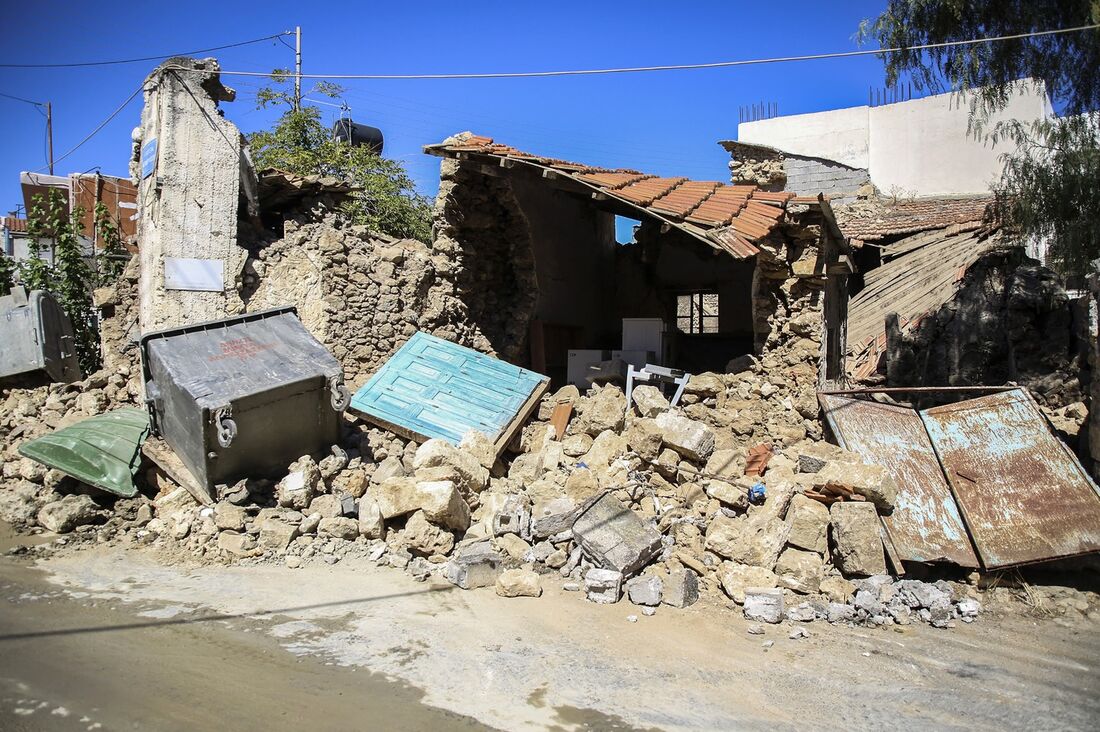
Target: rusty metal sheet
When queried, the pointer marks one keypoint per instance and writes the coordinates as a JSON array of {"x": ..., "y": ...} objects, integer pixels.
[
  {"x": 925, "y": 525},
  {"x": 1024, "y": 495}
]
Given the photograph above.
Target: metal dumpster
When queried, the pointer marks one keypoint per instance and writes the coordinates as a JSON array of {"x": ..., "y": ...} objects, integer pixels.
[
  {"x": 244, "y": 396},
  {"x": 36, "y": 339}
]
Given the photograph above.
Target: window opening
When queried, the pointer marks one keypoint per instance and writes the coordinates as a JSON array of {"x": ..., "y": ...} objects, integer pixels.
[{"x": 697, "y": 312}]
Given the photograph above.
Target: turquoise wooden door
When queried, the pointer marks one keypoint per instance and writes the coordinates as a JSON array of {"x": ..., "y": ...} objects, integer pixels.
[{"x": 435, "y": 388}]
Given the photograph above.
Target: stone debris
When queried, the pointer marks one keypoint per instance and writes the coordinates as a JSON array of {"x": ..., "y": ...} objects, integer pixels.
[
  {"x": 651, "y": 502},
  {"x": 603, "y": 586},
  {"x": 518, "y": 583},
  {"x": 764, "y": 605}
]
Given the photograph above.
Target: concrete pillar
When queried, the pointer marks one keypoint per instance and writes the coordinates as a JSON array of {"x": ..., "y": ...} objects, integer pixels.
[{"x": 189, "y": 162}]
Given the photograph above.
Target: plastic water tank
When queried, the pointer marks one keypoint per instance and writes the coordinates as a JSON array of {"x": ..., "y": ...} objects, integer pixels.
[{"x": 358, "y": 135}]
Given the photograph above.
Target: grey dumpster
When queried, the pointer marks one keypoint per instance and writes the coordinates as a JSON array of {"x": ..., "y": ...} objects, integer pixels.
[
  {"x": 244, "y": 396},
  {"x": 36, "y": 340}
]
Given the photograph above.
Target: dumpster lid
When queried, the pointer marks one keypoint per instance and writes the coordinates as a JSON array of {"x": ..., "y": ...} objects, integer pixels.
[
  {"x": 104, "y": 450},
  {"x": 222, "y": 360}
]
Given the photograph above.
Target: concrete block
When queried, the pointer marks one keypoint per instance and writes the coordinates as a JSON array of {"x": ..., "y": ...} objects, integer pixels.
[
  {"x": 476, "y": 565},
  {"x": 604, "y": 586},
  {"x": 552, "y": 516},
  {"x": 644, "y": 590},
  {"x": 681, "y": 589},
  {"x": 615, "y": 537},
  {"x": 764, "y": 605}
]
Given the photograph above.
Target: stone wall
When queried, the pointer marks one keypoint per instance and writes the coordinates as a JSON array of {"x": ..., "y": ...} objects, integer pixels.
[
  {"x": 360, "y": 293},
  {"x": 483, "y": 244}
]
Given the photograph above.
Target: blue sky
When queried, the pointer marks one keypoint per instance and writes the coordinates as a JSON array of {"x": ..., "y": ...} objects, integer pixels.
[{"x": 666, "y": 123}]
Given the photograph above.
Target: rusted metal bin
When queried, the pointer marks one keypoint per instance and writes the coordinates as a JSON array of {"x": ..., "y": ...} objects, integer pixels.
[
  {"x": 36, "y": 340},
  {"x": 244, "y": 396}
]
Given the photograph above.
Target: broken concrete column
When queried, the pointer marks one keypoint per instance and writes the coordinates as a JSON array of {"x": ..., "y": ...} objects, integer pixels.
[
  {"x": 603, "y": 586},
  {"x": 614, "y": 537},
  {"x": 764, "y": 605},
  {"x": 681, "y": 589},
  {"x": 189, "y": 172},
  {"x": 475, "y": 565}
]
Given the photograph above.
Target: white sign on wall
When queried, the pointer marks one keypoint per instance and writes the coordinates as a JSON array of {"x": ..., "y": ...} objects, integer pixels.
[{"x": 197, "y": 275}]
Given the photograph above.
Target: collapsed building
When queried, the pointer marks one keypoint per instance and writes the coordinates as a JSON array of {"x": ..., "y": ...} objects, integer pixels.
[{"x": 732, "y": 493}]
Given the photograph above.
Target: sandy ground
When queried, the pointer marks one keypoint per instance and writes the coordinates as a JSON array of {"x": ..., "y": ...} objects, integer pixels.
[{"x": 117, "y": 639}]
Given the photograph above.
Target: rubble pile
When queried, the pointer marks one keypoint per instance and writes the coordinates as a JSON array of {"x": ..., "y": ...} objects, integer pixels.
[{"x": 650, "y": 507}]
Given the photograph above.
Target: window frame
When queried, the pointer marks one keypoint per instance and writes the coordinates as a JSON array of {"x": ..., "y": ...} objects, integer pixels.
[{"x": 697, "y": 318}]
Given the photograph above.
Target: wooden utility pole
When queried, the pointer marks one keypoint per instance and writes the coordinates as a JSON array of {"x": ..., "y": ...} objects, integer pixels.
[
  {"x": 297, "y": 68},
  {"x": 49, "y": 133}
]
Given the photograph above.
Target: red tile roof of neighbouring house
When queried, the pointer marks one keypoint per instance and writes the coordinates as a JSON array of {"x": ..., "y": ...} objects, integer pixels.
[
  {"x": 876, "y": 219},
  {"x": 731, "y": 218},
  {"x": 15, "y": 224}
]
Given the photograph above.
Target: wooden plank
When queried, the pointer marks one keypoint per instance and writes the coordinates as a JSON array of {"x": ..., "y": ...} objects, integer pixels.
[
  {"x": 165, "y": 458},
  {"x": 524, "y": 413},
  {"x": 559, "y": 418}
]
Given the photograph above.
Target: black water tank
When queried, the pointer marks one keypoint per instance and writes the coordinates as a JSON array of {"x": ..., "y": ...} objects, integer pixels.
[{"x": 357, "y": 134}]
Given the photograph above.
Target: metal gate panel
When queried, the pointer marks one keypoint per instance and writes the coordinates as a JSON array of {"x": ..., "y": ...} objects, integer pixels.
[
  {"x": 925, "y": 525},
  {"x": 1024, "y": 495}
]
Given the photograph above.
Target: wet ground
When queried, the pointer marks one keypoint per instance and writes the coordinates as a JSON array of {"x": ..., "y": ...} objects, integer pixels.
[{"x": 117, "y": 639}]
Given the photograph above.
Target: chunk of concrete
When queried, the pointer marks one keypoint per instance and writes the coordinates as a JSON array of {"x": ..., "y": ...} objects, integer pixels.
[
  {"x": 615, "y": 537},
  {"x": 371, "y": 523},
  {"x": 475, "y": 565},
  {"x": 694, "y": 440},
  {"x": 425, "y": 538},
  {"x": 764, "y": 605},
  {"x": 856, "y": 536},
  {"x": 512, "y": 518},
  {"x": 328, "y": 505},
  {"x": 645, "y": 590},
  {"x": 809, "y": 521},
  {"x": 299, "y": 486},
  {"x": 338, "y": 527},
  {"x": 518, "y": 583},
  {"x": 549, "y": 517},
  {"x": 236, "y": 543},
  {"x": 276, "y": 533},
  {"x": 681, "y": 588},
  {"x": 603, "y": 585},
  {"x": 396, "y": 496}
]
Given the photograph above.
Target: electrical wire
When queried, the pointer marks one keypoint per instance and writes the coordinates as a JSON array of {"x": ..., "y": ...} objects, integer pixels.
[
  {"x": 99, "y": 127},
  {"x": 144, "y": 58},
  {"x": 678, "y": 67},
  {"x": 21, "y": 99}
]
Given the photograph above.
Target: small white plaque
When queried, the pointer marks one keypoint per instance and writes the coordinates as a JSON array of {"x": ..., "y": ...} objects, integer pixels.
[{"x": 197, "y": 275}]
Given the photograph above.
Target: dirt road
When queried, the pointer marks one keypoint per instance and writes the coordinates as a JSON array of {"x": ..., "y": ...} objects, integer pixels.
[{"x": 114, "y": 638}]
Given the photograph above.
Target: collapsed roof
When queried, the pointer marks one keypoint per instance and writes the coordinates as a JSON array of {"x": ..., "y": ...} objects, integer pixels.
[
  {"x": 730, "y": 218},
  {"x": 876, "y": 219}
]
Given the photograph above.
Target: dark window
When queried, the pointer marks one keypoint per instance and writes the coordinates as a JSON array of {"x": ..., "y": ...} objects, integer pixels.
[{"x": 697, "y": 312}]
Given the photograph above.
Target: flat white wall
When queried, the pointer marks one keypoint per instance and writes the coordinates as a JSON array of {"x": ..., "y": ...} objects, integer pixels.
[
  {"x": 839, "y": 134},
  {"x": 916, "y": 148}
]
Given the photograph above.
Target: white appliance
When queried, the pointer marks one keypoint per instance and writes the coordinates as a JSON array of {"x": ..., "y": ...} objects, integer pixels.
[
  {"x": 637, "y": 359},
  {"x": 645, "y": 334},
  {"x": 578, "y": 363}
]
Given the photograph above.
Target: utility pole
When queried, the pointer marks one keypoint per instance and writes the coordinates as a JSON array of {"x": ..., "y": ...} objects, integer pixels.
[
  {"x": 297, "y": 68},
  {"x": 49, "y": 132}
]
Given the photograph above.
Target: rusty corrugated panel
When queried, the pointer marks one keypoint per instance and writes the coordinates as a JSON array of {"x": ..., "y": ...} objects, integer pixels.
[
  {"x": 1024, "y": 495},
  {"x": 925, "y": 525}
]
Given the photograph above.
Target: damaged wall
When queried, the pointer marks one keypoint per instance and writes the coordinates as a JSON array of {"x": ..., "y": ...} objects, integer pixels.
[{"x": 188, "y": 163}]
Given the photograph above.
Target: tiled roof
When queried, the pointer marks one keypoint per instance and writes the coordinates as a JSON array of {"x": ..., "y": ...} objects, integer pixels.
[
  {"x": 15, "y": 224},
  {"x": 921, "y": 274},
  {"x": 731, "y": 218},
  {"x": 865, "y": 221}
]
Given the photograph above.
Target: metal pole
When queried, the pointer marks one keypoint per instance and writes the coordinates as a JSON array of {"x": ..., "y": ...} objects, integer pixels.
[
  {"x": 49, "y": 132},
  {"x": 918, "y": 390},
  {"x": 297, "y": 68}
]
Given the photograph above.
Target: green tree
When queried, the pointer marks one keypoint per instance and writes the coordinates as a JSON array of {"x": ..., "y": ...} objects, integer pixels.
[
  {"x": 69, "y": 277},
  {"x": 7, "y": 274},
  {"x": 385, "y": 199},
  {"x": 1050, "y": 186},
  {"x": 112, "y": 257}
]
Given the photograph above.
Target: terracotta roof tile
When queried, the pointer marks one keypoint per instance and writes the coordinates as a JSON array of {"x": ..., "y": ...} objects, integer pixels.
[
  {"x": 730, "y": 218},
  {"x": 15, "y": 224}
]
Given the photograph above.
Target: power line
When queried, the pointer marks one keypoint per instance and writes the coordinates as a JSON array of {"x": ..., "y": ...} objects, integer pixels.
[
  {"x": 21, "y": 99},
  {"x": 144, "y": 58},
  {"x": 99, "y": 127},
  {"x": 680, "y": 67}
]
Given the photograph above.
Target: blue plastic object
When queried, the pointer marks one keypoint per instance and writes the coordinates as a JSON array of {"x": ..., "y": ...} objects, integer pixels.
[{"x": 756, "y": 493}]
